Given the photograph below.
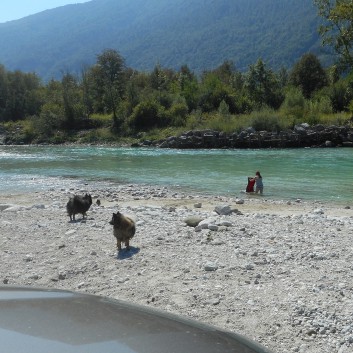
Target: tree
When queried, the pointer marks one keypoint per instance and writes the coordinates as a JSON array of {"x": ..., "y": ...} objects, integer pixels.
[
  {"x": 132, "y": 94},
  {"x": 212, "y": 92},
  {"x": 87, "y": 84},
  {"x": 225, "y": 72},
  {"x": 337, "y": 30},
  {"x": 308, "y": 75},
  {"x": 158, "y": 79},
  {"x": 72, "y": 101},
  {"x": 22, "y": 95},
  {"x": 109, "y": 74},
  {"x": 263, "y": 86},
  {"x": 52, "y": 115},
  {"x": 3, "y": 91},
  {"x": 188, "y": 87}
]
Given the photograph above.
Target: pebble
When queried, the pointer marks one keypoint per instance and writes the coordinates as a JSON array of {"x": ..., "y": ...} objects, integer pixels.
[{"x": 211, "y": 267}]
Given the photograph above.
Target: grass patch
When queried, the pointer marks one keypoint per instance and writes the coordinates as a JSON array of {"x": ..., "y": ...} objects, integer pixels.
[
  {"x": 338, "y": 119},
  {"x": 99, "y": 135},
  {"x": 101, "y": 120},
  {"x": 160, "y": 134},
  {"x": 266, "y": 119}
]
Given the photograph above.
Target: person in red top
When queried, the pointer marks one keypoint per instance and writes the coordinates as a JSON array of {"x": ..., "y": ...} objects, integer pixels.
[{"x": 251, "y": 184}]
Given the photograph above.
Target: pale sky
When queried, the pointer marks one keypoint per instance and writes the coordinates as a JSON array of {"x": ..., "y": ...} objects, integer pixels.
[{"x": 15, "y": 9}]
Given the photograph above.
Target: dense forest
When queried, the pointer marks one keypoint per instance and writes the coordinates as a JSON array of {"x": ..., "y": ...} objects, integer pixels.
[
  {"x": 110, "y": 102},
  {"x": 199, "y": 33}
]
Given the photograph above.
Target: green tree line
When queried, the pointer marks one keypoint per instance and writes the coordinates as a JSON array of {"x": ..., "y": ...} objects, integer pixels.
[{"x": 110, "y": 101}]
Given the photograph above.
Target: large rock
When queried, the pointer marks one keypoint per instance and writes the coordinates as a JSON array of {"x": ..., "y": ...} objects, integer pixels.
[
  {"x": 193, "y": 221},
  {"x": 223, "y": 210}
]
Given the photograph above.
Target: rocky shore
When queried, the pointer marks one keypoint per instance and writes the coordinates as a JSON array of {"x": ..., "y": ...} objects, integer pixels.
[
  {"x": 277, "y": 272},
  {"x": 302, "y": 135}
]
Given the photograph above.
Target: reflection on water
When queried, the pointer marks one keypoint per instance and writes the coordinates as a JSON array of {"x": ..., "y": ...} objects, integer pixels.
[{"x": 314, "y": 174}]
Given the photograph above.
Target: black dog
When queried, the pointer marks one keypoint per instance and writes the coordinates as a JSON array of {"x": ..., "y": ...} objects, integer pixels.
[{"x": 78, "y": 204}]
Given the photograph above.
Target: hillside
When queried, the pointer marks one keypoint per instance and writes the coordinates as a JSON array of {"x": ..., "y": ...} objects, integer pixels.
[{"x": 199, "y": 33}]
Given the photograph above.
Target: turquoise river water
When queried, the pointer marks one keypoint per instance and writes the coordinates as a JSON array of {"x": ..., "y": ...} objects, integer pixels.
[{"x": 310, "y": 174}]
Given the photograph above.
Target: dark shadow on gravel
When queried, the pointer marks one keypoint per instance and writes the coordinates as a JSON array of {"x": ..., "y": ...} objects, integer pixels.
[
  {"x": 81, "y": 220},
  {"x": 124, "y": 254}
]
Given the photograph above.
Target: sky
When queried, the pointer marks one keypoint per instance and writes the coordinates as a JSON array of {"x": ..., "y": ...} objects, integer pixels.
[{"x": 15, "y": 9}]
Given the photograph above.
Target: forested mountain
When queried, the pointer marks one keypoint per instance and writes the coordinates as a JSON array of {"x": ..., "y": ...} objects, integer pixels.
[{"x": 199, "y": 33}]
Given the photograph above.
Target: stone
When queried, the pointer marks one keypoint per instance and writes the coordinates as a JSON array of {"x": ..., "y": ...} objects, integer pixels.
[
  {"x": 226, "y": 224},
  {"x": 193, "y": 221},
  {"x": 39, "y": 207},
  {"x": 71, "y": 232},
  {"x": 5, "y": 206},
  {"x": 211, "y": 267},
  {"x": 204, "y": 224},
  {"x": 213, "y": 227},
  {"x": 15, "y": 208},
  {"x": 223, "y": 210}
]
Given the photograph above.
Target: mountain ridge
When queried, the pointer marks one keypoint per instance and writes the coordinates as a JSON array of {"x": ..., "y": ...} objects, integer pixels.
[{"x": 199, "y": 33}]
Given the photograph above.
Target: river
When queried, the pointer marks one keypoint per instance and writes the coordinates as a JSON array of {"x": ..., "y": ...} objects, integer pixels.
[{"x": 309, "y": 174}]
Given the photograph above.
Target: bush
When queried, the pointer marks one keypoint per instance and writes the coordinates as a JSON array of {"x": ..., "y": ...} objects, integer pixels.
[
  {"x": 178, "y": 113},
  {"x": 339, "y": 94},
  {"x": 294, "y": 103},
  {"x": 321, "y": 105},
  {"x": 242, "y": 105},
  {"x": 101, "y": 120},
  {"x": 338, "y": 119},
  {"x": 19, "y": 132},
  {"x": 59, "y": 137},
  {"x": 148, "y": 115},
  {"x": 218, "y": 123},
  {"x": 100, "y": 135},
  {"x": 50, "y": 120},
  {"x": 266, "y": 120},
  {"x": 28, "y": 130},
  {"x": 223, "y": 109}
]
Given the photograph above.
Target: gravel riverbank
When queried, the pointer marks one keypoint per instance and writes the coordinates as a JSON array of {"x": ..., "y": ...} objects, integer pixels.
[{"x": 277, "y": 272}]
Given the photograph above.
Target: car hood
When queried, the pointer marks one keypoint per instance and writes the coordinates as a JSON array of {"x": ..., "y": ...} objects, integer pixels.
[{"x": 44, "y": 320}]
